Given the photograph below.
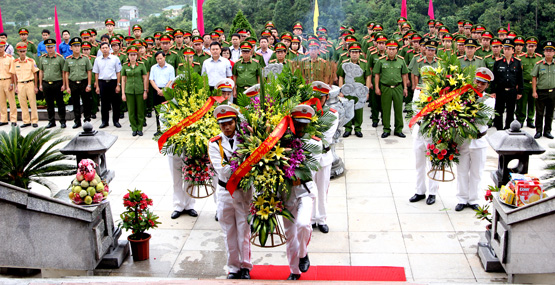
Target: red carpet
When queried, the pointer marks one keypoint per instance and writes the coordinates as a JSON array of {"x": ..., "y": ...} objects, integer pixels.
[{"x": 333, "y": 273}]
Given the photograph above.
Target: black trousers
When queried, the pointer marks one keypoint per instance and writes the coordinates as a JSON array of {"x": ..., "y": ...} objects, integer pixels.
[
  {"x": 53, "y": 92},
  {"x": 157, "y": 101},
  {"x": 78, "y": 93},
  {"x": 544, "y": 109},
  {"x": 504, "y": 100},
  {"x": 108, "y": 100}
]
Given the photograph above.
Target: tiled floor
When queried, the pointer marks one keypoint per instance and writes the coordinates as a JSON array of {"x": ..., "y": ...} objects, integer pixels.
[{"x": 371, "y": 221}]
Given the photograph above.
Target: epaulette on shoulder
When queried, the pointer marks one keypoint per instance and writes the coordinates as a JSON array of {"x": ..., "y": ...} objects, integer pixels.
[
  {"x": 518, "y": 59},
  {"x": 180, "y": 64},
  {"x": 333, "y": 110},
  {"x": 92, "y": 56},
  {"x": 305, "y": 59},
  {"x": 272, "y": 61},
  {"x": 410, "y": 50},
  {"x": 420, "y": 60},
  {"x": 316, "y": 138},
  {"x": 322, "y": 60},
  {"x": 374, "y": 52},
  {"x": 215, "y": 139},
  {"x": 173, "y": 51},
  {"x": 343, "y": 54},
  {"x": 479, "y": 57},
  {"x": 60, "y": 55},
  {"x": 259, "y": 54},
  {"x": 382, "y": 57},
  {"x": 17, "y": 60},
  {"x": 68, "y": 56},
  {"x": 30, "y": 42},
  {"x": 7, "y": 54},
  {"x": 345, "y": 60},
  {"x": 522, "y": 54},
  {"x": 255, "y": 60},
  {"x": 538, "y": 54},
  {"x": 538, "y": 62},
  {"x": 498, "y": 59},
  {"x": 489, "y": 55},
  {"x": 44, "y": 54},
  {"x": 459, "y": 57},
  {"x": 337, "y": 47},
  {"x": 363, "y": 60},
  {"x": 400, "y": 57},
  {"x": 197, "y": 63}
]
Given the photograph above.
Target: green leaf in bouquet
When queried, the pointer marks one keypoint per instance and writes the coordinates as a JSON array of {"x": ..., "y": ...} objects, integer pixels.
[
  {"x": 271, "y": 223},
  {"x": 288, "y": 215},
  {"x": 256, "y": 224},
  {"x": 169, "y": 93},
  {"x": 243, "y": 100},
  {"x": 263, "y": 234}
]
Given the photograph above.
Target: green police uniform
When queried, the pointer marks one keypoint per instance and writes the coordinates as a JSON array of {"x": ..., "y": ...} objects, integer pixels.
[
  {"x": 489, "y": 60},
  {"x": 391, "y": 86},
  {"x": 545, "y": 88},
  {"x": 122, "y": 107},
  {"x": 356, "y": 122},
  {"x": 421, "y": 63},
  {"x": 31, "y": 47},
  {"x": 52, "y": 82},
  {"x": 147, "y": 61},
  {"x": 375, "y": 100},
  {"x": 260, "y": 59},
  {"x": 79, "y": 69},
  {"x": 525, "y": 106},
  {"x": 134, "y": 90},
  {"x": 201, "y": 58},
  {"x": 197, "y": 68},
  {"x": 475, "y": 61},
  {"x": 247, "y": 73}
]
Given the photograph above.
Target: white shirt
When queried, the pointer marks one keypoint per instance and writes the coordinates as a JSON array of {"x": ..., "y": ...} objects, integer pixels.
[
  {"x": 216, "y": 70},
  {"x": 162, "y": 75},
  {"x": 235, "y": 53},
  {"x": 107, "y": 67}
]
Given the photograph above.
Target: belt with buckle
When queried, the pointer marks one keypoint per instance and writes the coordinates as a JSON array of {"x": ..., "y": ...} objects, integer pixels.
[
  {"x": 77, "y": 82},
  {"x": 221, "y": 183},
  {"x": 26, "y": 81},
  {"x": 508, "y": 89},
  {"x": 546, "y": 90},
  {"x": 106, "y": 80}
]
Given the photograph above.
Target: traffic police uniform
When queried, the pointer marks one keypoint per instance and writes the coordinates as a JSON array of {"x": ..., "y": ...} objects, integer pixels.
[
  {"x": 52, "y": 84},
  {"x": 78, "y": 71},
  {"x": 525, "y": 106},
  {"x": 507, "y": 85},
  {"x": 544, "y": 75},
  {"x": 322, "y": 176},
  {"x": 7, "y": 93},
  {"x": 391, "y": 72},
  {"x": 232, "y": 210},
  {"x": 472, "y": 157},
  {"x": 25, "y": 70}
]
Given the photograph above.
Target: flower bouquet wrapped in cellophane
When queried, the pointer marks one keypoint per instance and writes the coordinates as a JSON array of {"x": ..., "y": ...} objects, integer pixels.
[
  {"x": 188, "y": 94},
  {"x": 450, "y": 119}
]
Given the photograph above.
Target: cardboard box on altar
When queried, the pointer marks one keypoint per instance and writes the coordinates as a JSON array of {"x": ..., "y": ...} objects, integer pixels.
[{"x": 526, "y": 189}]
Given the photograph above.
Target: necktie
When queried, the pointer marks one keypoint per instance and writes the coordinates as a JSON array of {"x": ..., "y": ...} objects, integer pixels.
[{"x": 231, "y": 142}]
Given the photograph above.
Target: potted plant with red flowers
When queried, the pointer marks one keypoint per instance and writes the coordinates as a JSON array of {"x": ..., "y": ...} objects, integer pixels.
[{"x": 138, "y": 218}]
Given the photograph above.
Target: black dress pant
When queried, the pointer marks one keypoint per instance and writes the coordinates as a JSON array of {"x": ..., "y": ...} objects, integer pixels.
[
  {"x": 78, "y": 93},
  {"x": 54, "y": 95},
  {"x": 108, "y": 100},
  {"x": 544, "y": 109},
  {"x": 504, "y": 100}
]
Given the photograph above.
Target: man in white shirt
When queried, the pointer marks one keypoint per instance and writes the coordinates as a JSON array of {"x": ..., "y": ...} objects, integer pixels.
[
  {"x": 216, "y": 67},
  {"x": 107, "y": 69},
  {"x": 235, "y": 47}
]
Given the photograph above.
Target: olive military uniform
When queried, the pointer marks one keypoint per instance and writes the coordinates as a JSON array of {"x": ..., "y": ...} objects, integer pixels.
[
  {"x": 78, "y": 70},
  {"x": 52, "y": 82},
  {"x": 545, "y": 88},
  {"x": 247, "y": 73},
  {"x": 134, "y": 90},
  {"x": 475, "y": 61},
  {"x": 525, "y": 106},
  {"x": 391, "y": 73}
]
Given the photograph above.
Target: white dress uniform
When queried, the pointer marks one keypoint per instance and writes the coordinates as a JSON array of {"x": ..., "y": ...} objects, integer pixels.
[
  {"x": 472, "y": 160},
  {"x": 298, "y": 233},
  {"x": 322, "y": 176},
  {"x": 181, "y": 200},
  {"x": 232, "y": 211},
  {"x": 422, "y": 163}
]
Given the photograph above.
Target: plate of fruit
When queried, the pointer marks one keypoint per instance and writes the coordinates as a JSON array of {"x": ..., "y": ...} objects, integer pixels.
[{"x": 87, "y": 188}]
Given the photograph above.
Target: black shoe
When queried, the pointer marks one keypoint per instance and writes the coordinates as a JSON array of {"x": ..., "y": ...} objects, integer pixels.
[
  {"x": 245, "y": 274},
  {"x": 175, "y": 214},
  {"x": 76, "y": 125},
  {"x": 374, "y": 125},
  {"x": 385, "y": 135},
  {"x": 417, "y": 197},
  {"x": 50, "y": 125},
  {"x": 117, "y": 125},
  {"x": 358, "y": 134},
  {"x": 191, "y": 212},
  {"x": 314, "y": 225},
  {"x": 93, "y": 116},
  {"x": 14, "y": 124},
  {"x": 3, "y": 124},
  {"x": 25, "y": 125},
  {"x": 232, "y": 275},
  {"x": 431, "y": 199},
  {"x": 63, "y": 125},
  {"x": 460, "y": 207},
  {"x": 401, "y": 135},
  {"x": 324, "y": 228},
  {"x": 294, "y": 276},
  {"x": 35, "y": 125},
  {"x": 473, "y": 206},
  {"x": 216, "y": 217},
  {"x": 121, "y": 116},
  {"x": 347, "y": 134},
  {"x": 144, "y": 124},
  {"x": 140, "y": 133},
  {"x": 134, "y": 133},
  {"x": 548, "y": 135},
  {"x": 304, "y": 263},
  {"x": 538, "y": 135},
  {"x": 531, "y": 125},
  {"x": 103, "y": 125},
  {"x": 157, "y": 133}
]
